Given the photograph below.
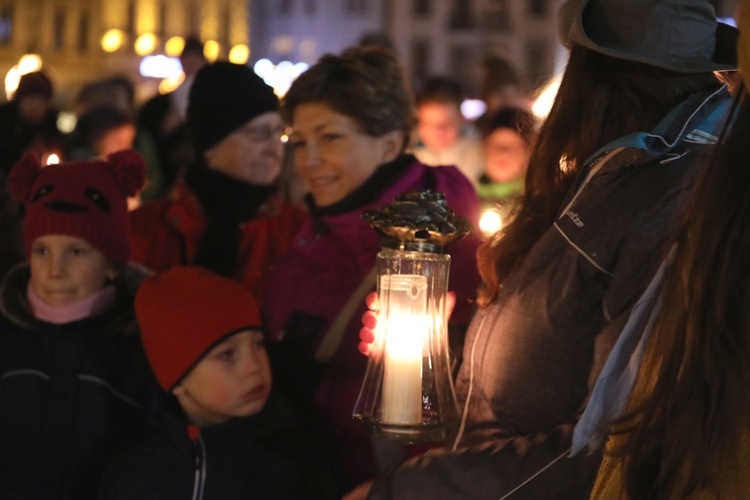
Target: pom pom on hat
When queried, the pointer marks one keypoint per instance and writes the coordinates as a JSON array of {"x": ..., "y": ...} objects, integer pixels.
[
  {"x": 84, "y": 199},
  {"x": 224, "y": 96},
  {"x": 186, "y": 311}
]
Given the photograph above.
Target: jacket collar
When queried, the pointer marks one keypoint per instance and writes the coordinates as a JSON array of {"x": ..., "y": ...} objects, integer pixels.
[
  {"x": 370, "y": 190},
  {"x": 698, "y": 120},
  {"x": 14, "y": 303}
]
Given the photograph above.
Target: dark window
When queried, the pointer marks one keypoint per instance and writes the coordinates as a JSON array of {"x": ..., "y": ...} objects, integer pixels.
[
  {"x": 462, "y": 63},
  {"x": 460, "y": 15},
  {"x": 286, "y": 7},
  {"x": 58, "y": 28},
  {"x": 84, "y": 26},
  {"x": 421, "y": 7},
  {"x": 130, "y": 27},
  {"x": 163, "y": 17},
  {"x": 356, "y": 7},
  {"x": 228, "y": 26},
  {"x": 420, "y": 59},
  {"x": 537, "y": 8},
  {"x": 6, "y": 25},
  {"x": 496, "y": 15},
  {"x": 194, "y": 16},
  {"x": 539, "y": 63}
]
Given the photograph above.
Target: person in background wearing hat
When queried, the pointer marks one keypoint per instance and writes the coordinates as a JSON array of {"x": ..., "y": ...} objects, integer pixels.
[
  {"x": 163, "y": 117},
  {"x": 508, "y": 138},
  {"x": 443, "y": 136},
  {"x": 74, "y": 381},
  {"x": 28, "y": 122},
  {"x": 225, "y": 215},
  {"x": 685, "y": 431},
  {"x": 637, "y": 114},
  {"x": 221, "y": 431}
]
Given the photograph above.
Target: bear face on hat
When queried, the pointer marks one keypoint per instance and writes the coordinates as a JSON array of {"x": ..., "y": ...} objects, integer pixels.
[{"x": 85, "y": 199}]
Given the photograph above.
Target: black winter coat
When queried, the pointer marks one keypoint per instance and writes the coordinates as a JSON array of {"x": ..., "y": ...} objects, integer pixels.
[
  {"x": 263, "y": 456},
  {"x": 71, "y": 395}
]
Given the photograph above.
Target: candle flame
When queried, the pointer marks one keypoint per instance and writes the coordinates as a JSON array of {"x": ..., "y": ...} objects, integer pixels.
[{"x": 490, "y": 222}]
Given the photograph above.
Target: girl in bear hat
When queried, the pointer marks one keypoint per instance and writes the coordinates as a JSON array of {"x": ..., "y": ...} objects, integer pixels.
[
  {"x": 221, "y": 430},
  {"x": 73, "y": 377}
]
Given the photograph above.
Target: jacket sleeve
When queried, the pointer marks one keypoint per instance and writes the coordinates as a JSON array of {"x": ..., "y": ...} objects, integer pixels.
[{"x": 493, "y": 469}]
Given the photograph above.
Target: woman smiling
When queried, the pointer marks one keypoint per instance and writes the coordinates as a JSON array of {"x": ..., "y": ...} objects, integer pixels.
[{"x": 351, "y": 115}]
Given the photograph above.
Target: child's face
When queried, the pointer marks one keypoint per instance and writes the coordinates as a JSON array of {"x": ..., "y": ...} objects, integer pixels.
[
  {"x": 65, "y": 269},
  {"x": 232, "y": 380}
]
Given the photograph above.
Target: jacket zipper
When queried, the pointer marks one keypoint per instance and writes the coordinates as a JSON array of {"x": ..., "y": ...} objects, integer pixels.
[{"x": 199, "y": 482}]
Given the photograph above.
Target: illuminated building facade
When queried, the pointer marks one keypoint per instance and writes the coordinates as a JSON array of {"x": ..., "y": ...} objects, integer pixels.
[
  {"x": 83, "y": 40},
  {"x": 449, "y": 37}
]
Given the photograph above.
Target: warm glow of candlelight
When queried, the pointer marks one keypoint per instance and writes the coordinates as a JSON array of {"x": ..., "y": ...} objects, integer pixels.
[
  {"x": 404, "y": 311},
  {"x": 490, "y": 222}
]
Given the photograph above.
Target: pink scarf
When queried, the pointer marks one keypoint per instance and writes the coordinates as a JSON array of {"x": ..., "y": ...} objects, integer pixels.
[{"x": 90, "y": 306}]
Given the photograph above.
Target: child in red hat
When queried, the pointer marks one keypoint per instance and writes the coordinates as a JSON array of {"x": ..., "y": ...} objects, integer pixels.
[
  {"x": 73, "y": 377},
  {"x": 220, "y": 430}
]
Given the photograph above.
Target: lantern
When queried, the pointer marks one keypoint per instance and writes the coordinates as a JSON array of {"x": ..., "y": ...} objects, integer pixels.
[{"x": 408, "y": 393}]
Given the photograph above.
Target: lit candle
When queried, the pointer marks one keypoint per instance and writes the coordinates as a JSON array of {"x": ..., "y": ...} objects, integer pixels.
[
  {"x": 403, "y": 307},
  {"x": 490, "y": 222}
]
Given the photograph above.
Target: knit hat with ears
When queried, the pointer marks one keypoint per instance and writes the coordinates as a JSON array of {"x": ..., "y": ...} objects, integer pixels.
[
  {"x": 185, "y": 312},
  {"x": 84, "y": 199}
]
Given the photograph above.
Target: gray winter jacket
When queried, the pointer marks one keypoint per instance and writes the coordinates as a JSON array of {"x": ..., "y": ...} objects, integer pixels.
[{"x": 530, "y": 358}]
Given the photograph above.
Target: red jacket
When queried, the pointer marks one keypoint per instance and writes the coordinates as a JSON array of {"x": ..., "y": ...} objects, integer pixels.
[{"x": 166, "y": 233}]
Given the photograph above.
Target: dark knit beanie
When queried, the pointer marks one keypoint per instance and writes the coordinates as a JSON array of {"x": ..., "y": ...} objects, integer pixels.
[
  {"x": 84, "y": 199},
  {"x": 34, "y": 83},
  {"x": 224, "y": 96},
  {"x": 185, "y": 312}
]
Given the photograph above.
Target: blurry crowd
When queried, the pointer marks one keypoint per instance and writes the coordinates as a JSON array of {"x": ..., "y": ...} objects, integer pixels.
[{"x": 187, "y": 306}]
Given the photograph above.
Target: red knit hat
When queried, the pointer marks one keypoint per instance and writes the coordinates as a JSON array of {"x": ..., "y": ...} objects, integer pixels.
[
  {"x": 85, "y": 199},
  {"x": 185, "y": 312}
]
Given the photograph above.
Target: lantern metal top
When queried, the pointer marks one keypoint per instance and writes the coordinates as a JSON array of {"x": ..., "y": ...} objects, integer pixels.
[{"x": 418, "y": 220}]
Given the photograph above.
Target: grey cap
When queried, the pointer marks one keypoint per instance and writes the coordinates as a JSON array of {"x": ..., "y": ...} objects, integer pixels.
[{"x": 678, "y": 35}]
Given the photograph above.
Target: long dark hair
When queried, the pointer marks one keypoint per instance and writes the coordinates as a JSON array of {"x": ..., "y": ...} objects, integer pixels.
[
  {"x": 694, "y": 381},
  {"x": 600, "y": 99}
]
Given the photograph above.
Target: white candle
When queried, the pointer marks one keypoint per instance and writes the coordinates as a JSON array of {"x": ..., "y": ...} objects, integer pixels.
[{"x": 403, "y": 308}]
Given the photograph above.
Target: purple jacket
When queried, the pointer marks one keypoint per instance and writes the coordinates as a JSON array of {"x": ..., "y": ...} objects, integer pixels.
[{"x": 330, "y": 257}]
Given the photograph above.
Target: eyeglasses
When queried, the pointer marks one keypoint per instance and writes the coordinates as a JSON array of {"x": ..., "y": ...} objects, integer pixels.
[{"x": 264, "y": 133}]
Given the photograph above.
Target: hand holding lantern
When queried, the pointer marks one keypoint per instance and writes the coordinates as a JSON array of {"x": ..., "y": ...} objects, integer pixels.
[{"x": 408, "y": 390}]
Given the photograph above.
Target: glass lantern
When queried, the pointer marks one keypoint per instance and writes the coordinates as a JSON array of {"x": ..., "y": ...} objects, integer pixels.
[{"x": 408, "y": 392}]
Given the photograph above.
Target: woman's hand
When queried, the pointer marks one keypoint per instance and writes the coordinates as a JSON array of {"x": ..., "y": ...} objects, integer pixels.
[{"x": 370, "y": 320}]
